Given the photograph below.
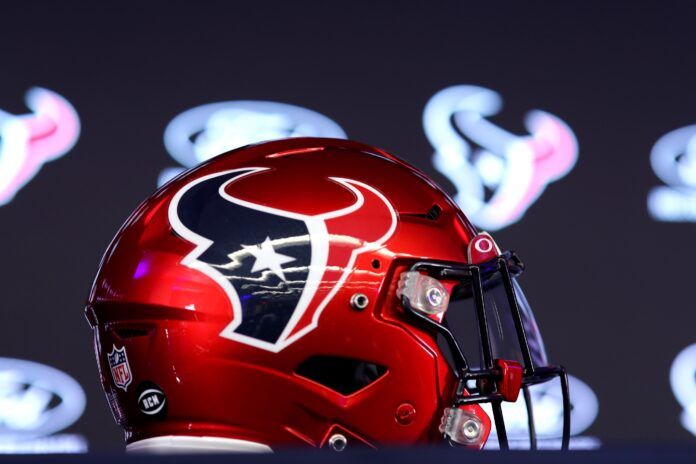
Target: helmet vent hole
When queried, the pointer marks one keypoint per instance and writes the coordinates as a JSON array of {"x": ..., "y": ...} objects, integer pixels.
[
  {"x": 376, "y": 264},
  {"x": 434, "y": 212},
  {"x": 131, "y": 332},
  {"x": 343, "y": 375}
]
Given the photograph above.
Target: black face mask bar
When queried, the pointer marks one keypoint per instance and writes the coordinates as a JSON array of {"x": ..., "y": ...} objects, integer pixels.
[{"x": 487, "y": 378}]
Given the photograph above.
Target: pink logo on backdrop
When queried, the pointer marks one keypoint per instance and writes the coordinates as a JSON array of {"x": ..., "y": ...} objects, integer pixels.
[
  {"x": 28, "y": 141},
  {"x": 498, "y": 175}
]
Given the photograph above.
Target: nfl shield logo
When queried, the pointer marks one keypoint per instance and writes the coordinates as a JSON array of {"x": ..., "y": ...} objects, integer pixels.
[{"x": 120, "y": 369}]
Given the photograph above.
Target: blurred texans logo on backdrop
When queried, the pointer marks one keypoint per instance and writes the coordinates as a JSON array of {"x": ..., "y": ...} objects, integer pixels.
[
  {"x": 27, "y": 141},
  {"x": 673, "y": 158},
  {"x": 37, "y": 402},
  {"x": 205, "y": 131},
  {"x": 682, "y": 378},
  {"x": 498, "y": 175},
  {"x": 278, "y": 268}
]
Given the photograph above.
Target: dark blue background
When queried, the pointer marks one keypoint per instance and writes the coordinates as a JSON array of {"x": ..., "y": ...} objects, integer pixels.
[{"x": 612, "y": 289}]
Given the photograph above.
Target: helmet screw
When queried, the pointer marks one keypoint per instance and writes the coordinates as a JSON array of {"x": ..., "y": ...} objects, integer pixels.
[
  {"x": 338, "y": 442},
  {"x": 405, "y": 413},
  {"x": 359, "y": 301},
  {"x": 471, "y": 429}
]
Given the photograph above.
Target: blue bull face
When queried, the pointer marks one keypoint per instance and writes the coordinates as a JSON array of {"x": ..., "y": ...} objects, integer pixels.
[
  {"x": 249, "y": 249},
  {"x": 271, "y": 262}
]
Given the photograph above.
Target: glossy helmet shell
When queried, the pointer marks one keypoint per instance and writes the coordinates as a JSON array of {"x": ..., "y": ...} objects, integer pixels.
[{"x": 156, "y": 301}]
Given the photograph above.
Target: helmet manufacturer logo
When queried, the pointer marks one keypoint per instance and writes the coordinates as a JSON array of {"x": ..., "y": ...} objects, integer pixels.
[
  {"x": 28, "y": 141},
  {"x": 673, "y": 159},
  {"x": 278, "y": 268},
  {"x": 208, "y": 130},
  {"x": 498, "y": 175},
  {"x": 120, "y": 369},
  {"x": 151, "y": 400}
]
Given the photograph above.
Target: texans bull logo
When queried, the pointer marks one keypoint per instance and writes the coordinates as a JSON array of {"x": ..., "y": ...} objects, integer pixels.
[
  {"x": 278, "y": 268},
  {"x": 28, "y": 141}
]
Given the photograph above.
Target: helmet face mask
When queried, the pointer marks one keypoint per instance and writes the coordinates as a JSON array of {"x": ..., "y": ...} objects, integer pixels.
[
  {"x": 283, "y": 294},
  {"x": 506, "y": 346}
]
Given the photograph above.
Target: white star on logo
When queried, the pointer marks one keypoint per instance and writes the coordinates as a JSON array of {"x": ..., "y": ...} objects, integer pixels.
[{"x": 267, "y": 258}]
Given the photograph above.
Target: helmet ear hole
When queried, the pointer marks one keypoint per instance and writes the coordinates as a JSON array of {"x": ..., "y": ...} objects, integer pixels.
[
  {"x": 128, "y": 332},
  {"x": 366, "y": 373},
  {"x": 343, "y": 375}
]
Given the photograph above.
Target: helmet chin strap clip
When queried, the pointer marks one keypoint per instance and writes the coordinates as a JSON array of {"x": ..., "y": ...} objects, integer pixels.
[
  {"x": 510, "y": 380},
  {"x": 461, "y": 424}
]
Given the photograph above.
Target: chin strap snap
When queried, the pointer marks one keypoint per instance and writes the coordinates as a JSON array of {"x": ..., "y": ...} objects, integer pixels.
[{"x": 465, "y": 426}]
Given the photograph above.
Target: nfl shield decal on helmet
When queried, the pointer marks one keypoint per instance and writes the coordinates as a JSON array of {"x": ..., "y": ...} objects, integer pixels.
[
  {"x": 278, "y": 268},
  {"x": 120, "y": 369}
]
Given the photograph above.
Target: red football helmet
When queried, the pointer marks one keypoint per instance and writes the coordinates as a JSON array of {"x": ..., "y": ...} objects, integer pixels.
[{"x": 310, "y": 292}]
